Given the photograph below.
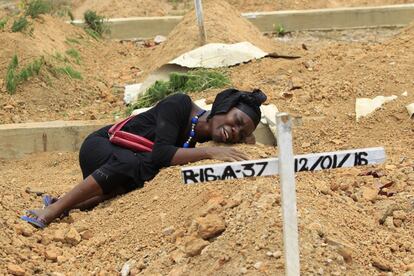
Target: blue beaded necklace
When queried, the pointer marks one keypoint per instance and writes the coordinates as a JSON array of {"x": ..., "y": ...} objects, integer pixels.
[{"x": 192, "y": 133}]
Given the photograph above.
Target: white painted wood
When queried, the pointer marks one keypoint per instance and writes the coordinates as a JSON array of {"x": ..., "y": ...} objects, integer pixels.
[
  {"x": 305, "y": 162},
  {"x": 200, "y": 21},
  {"x": 288, "y": 194}
]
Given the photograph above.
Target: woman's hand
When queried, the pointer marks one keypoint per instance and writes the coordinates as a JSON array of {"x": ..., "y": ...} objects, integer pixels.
[{"x": 227, "y": 154}]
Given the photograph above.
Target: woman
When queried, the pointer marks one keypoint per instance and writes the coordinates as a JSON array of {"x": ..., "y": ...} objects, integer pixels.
[{"x": 175, "y": 125}]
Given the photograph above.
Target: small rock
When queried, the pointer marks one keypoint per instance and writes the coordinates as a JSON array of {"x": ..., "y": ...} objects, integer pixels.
[
  {"x": 369, "y": 193},
  {"x": 73, "y": 237},
  {"x": 399, "y": 214},
  {"x": 177, "y": 235},
  {"x": 210, "y": 226},
  {"x": 397, "y": 222},
  {"x": 277, "y": 254},
  {"x": 159, "y": 39},
  {"x": 177, "y": 256},
  {"x": 389, "y": 222},
  {"x": 381, "y": 264},
  {"x": 344, "y": 186},
  {"x": 168, "y": 231},
  {"x": 51, "y": 254},
  {"x": 25, "y": 230},
  {"x": 346, "y": 253},
  {"x": 337, "y": 141},
  {"x": 410, "y": 267},
  {"x": 127, "y": 267},
  {"x": 269, "y": 254},
  {"x": 322, "y": 187},
  {"x": 243, "y": 270},
  {"x": 306, "y": 145},
  {"x": 390, "y": 167},
  {"x": 59, "y": 235},
  {"x": 15, "y": 269},
  {"x": 258, "y": 265},
  {"x": 8, "y": 107},
  {"x": 86, "y": 235},
  {"x": 194, "y": 246},
  {"x": 60, "y": 259}
]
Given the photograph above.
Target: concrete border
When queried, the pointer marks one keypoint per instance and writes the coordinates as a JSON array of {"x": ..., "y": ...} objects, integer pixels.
[
  {"x": 17, "y": 140},
  {"x": 291, "y": 20}
]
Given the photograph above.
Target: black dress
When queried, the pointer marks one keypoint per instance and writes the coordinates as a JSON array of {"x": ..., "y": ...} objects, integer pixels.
[{"x": 113, "y": 166}]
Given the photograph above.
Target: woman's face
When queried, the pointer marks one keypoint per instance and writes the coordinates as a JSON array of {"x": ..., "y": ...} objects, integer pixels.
[{"x": 231, "y": 127}]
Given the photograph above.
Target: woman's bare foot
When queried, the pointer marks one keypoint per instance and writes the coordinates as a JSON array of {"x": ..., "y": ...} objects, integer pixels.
[{"x": 43, "y": 215}]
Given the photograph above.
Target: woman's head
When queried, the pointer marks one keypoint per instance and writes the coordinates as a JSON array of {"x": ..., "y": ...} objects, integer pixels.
[{"x": 235, "y": 115}]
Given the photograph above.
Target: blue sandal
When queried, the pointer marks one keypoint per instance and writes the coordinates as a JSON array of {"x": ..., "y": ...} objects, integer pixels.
[
  {"x": 33, "y": 219},
  {"x": 48, "y": 200}
]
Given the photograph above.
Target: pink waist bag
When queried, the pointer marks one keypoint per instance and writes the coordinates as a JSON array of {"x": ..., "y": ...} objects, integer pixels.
[{"x": 128, "y": 140}]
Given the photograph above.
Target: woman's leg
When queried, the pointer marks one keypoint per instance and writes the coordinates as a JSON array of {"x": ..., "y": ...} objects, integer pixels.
[
  {"x": 81, "y": 193},
  {"x": 94, "y": 201}
]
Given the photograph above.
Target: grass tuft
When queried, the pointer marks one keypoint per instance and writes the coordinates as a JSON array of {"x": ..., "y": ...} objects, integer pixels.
[
  {"x": 3, "y": 23},
  {"x": 74, "y": 54},
  {"x": 69, "y": 71},
  {"x": 11, "y": 80},
  {"x": 192, "y": 81},
  {"x": 95, "y": 24},
  {"x": 20, "y": 24},
  {"x": 37, "y": 7}
]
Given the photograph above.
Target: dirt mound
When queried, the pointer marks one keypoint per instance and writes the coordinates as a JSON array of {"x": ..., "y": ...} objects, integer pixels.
[
  {"x": 226, "y": 227},
  {"x": 223, "y": 24},
  {"x": 101, "y": 64},
  {"x": 123, "y": 8}
]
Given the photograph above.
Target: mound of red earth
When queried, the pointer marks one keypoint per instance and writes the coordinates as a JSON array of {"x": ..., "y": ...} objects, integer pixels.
[{"x": 223, "y": 24}]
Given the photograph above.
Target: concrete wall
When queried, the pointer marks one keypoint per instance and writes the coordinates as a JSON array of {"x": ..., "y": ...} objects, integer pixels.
[
  {"x": 17, "y": 140},
  {"x": 320, "y": 19}
]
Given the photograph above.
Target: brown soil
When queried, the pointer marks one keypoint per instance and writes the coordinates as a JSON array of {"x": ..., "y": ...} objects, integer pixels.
[
  {"x": 345, "y": 226},
  {"x": 223, "y": 24},
  {"x": 104, "y": 66}
]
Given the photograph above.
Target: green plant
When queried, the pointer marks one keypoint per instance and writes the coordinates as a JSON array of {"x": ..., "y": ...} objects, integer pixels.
[
  {"x": 280, "y": 30},
  {"x": 11, "y": 80},
  {"x": 192, "y": 81},
  {"x": 95, "y": 23},
  {"x": 37, "y": 7},
  {"x": 74, "y": 54},
  {"x": 31, "y": 70},
  {"x": 58, "y": 56},
  {"x": 3, "y": 23},
  {"x": 69, "y": 71},
  {"x": 20, "y": 24},
  {"x": 92, "y": 33}
]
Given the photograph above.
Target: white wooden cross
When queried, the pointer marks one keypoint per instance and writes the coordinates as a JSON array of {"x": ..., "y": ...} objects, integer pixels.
[
  {"x": 200, "y": 21},
  {"x": 286, "y": 165}
]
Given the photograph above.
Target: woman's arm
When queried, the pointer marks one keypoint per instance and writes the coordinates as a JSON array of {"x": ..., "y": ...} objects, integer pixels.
[{"x": 186, "y": 155}]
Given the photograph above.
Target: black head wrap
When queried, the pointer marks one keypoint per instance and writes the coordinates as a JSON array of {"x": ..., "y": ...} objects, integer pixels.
[{"x": 248, "y": 102}]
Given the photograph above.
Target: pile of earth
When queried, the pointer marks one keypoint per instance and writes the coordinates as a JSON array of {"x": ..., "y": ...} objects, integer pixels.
[
  {"x": 357, "y": 221},
  {"x": 103, "y": 65},
  {"x": 223, "y": 24}
]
